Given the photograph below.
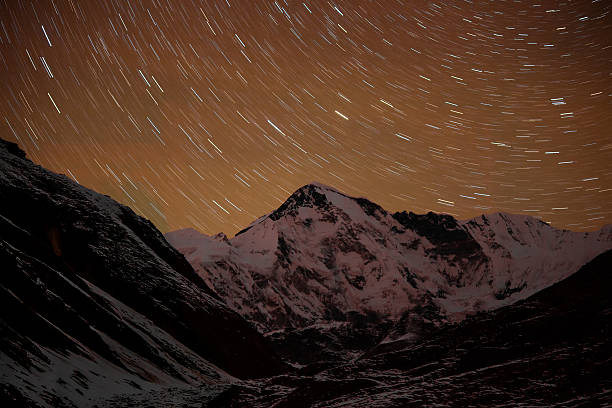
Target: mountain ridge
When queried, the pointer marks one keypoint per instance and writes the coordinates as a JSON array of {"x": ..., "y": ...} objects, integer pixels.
[
  {"x": 94, "y": 298},
  {"x": 281, "y": 270},
  {"x": 369, "y": 307},
  {"x": 550, "y": 349}
]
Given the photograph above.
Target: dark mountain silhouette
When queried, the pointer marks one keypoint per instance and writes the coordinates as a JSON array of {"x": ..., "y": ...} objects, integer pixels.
[{"x": 94, "y": 299}]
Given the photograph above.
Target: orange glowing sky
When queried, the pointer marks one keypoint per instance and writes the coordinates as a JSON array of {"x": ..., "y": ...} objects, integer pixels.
[{"x": 208, "y": 114}]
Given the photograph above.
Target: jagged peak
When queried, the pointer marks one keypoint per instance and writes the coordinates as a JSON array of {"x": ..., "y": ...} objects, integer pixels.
[
  {"x": 410, "y": 219},
  {"x": 323, "y": 197},
  {"x": 192, "y": 235},
  {"x": 220, "y": 237},
  {"x": 309, "y": 195},
  {"x": 507, "y": 218},
  {"x": 439, "y": 228},
  {"x": 315, "y": 187}
]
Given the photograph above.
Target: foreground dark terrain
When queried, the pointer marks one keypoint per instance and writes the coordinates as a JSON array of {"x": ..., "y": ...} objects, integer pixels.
[
  {"x": 329, "y": 301},
  {"x": 95, "y": 302}
]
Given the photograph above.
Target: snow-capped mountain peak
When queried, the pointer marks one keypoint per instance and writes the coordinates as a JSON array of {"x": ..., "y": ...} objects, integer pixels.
[
  {"x": 324, "y": 199},
  {"x": 325, "y": 256}
]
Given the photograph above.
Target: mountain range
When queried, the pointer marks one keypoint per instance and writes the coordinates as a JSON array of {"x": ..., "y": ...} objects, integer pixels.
[
  {"x": 324, "y": 259},
  {"x": 327, "y": 301},
  {"x": 551, "y": 349}
]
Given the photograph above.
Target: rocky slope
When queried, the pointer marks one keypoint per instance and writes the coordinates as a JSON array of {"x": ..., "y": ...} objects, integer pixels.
[
  {"x": 94, "y": 302},
  {"x": 324, "y": 258},
  {"x": 551, "y": 349}
]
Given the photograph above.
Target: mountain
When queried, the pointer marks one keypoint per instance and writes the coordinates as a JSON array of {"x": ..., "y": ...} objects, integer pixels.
[
  {"x": 372, "y": 308},
  {"x": 551, "y": 349},
  {"x": 94, "y": 302},
  {"x": 323, "y": 259}
]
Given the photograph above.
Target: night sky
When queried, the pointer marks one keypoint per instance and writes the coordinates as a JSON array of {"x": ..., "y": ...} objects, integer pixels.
[{"x": 210, "y": 113}]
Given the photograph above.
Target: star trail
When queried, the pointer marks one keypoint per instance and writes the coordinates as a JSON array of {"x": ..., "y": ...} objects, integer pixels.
[{"x": 208, "y": 114}]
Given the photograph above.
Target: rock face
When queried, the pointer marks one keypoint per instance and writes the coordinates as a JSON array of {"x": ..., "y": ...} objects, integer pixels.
[
  {"x": 324, "y": 258},
  {"x": 93, "y": 300},
  {"x": 551, "y": 349}
]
